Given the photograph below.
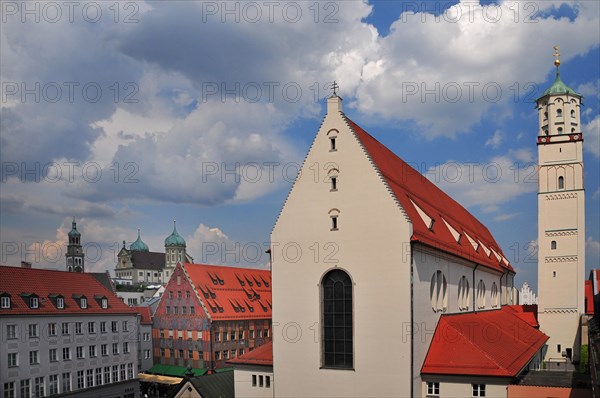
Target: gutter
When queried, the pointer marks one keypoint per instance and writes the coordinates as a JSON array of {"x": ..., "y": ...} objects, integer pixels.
[{"x": 412, "y": 324}]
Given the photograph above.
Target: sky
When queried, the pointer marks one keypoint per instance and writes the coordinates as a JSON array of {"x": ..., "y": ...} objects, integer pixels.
[{"x": 130, "y": 115}]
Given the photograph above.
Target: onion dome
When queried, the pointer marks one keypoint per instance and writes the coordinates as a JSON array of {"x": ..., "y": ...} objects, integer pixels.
[
  {"x": 174, "y": 239},
  {"x": 139, "y": 245},
  {"x": 74, "y": 232}
]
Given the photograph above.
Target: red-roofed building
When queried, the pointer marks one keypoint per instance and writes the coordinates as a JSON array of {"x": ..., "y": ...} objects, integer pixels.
[
  {"x": 145, "y": 358},
  {"x": 254, "y": 373},
  {"x": 380, "y": 255},
  {"x": 209, "y": 314},
  {"x": 65, "y": 332}
]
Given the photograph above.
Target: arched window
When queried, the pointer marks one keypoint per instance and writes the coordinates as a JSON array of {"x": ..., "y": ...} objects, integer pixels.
[
  {"x": 572, "y": 129},
  {"x": 494, "y": 295},
  {"x": 439, "y": 292},
  {"x": 481, "y": 294},
  {"x": 559, "y": 112},
  {"x": 545, "y": 115},
  {"x": 572, "y": 113},
  {"x": 560, "y": 130},
  {"x": 561, "y": 182},
  {"x": 463, "y": 294},
  {"x": 553, "y": 245},
  {"x": 337, "y": 320}
]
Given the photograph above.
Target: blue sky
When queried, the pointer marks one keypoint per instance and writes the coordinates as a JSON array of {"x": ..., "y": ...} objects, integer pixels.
[{"x": 133, "y": 115}]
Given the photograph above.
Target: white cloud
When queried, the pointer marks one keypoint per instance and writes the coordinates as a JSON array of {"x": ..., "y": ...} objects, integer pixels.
[
  {"x": 591, "y": 135},
  {"x": 495, "y": 140},
  {"x": 487, "y": 184}
]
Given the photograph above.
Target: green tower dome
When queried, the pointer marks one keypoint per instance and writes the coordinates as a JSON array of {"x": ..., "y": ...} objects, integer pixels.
[
  {"x": 174, "y": 239},
  {"x": 74, "y": 232},
  {"x": 559, "y": 87},
  {"x": 139, "y": 245}
]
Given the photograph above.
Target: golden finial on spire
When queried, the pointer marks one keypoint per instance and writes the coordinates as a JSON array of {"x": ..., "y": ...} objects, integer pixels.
[{"x": 556, "y": 56}]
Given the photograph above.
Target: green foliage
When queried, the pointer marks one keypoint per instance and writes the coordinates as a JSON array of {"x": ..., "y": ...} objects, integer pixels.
[{"x": 583, "y": 359}]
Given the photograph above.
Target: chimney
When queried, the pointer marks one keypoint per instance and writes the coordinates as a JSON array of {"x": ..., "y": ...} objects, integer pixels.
[{"x": 25, "y": 264}]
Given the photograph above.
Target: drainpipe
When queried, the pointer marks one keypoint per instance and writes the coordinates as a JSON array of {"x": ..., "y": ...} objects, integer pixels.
[
  {"x": 474, "y": 269},
  {"x": 412, "y": 325}
]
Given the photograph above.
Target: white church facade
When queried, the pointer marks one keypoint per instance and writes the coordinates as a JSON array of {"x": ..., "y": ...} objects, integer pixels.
[{"x": 386, "y": 275}]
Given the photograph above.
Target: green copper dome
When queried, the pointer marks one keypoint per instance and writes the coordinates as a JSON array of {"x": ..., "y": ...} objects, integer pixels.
[
  {"x": 559, "y": 87},
  {"x": 74, "y": 232},
  {"x": 139, "y": 245},
  {"x": 174, "y": 239}
]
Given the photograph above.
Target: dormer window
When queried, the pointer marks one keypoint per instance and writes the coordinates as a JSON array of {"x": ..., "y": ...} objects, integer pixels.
[
  {"x": 104, "y": 303},
  {"x": 5, "y": 302},
  {"x": 83, "y": 303},
  {"x": 60, "y": 303},
  {"x": 34, "y": 302}
]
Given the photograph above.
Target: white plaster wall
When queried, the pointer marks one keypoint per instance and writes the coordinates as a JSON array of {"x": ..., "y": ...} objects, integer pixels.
[
  {"x": 243, "y": 382},
  {"x": 372, "y": 245}
]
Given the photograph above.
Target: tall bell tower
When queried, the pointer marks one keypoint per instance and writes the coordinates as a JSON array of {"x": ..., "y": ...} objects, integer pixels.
[
  {"x": 561, "y": 221},
  {"x": 75, "y": 255}
]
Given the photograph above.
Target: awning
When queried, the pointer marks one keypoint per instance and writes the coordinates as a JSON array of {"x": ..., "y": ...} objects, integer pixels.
[{"x": 171, "y": 370}]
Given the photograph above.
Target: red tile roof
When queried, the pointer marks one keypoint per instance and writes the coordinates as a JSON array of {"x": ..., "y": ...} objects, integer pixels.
[
  {"x": 528, "y": 313},
  {"x": 262, "y": 355},
  {"x": 488, "y": 343},
  {"x": 589, "y": 297},
  {"x": 47, "y": 284},
  {"x": 232, "y": 292},
  {"x": 408, "y": 186},
  {"x": 144, "y": 312}
]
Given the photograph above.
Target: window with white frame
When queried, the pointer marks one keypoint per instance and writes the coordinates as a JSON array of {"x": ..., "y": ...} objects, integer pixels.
[
  {"x": 11, "y": 332},
  {"x": 60, "y": 303},
  {"x": 478, "y": 390},
  {"x": 34, "y": 358},
  {"x": 66, "y": 382},
  {"x": 34, "y": 330},
  {"x": 433, "y": 389},
  {"x": 83, "y": 302},
  {"x": 66, "y": 353},
  {"x": 13, "y": 359},
  {"x": 79, "y": 351},
  {"x": 78, "y": 329},
  {"x": 5, "y": 300},
  {"x": 34, "y": 302}
]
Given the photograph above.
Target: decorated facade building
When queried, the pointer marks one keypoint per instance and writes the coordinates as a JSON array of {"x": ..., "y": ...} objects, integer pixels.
[{"x": 209, "y": 314}]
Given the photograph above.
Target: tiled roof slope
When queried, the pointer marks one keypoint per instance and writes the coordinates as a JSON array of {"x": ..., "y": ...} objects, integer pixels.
[
  {"x": 49, "y": 283},
  {"x": 148, "y": 260},
  {"x": 408, "y": 186},
  {"x": 528, "y": 313},
  {"x": 145, "y": 314},
  {"x": 231, "y": 292},
  {"x": 262, "y": 355},
  {"x": 488, "y": 343}
]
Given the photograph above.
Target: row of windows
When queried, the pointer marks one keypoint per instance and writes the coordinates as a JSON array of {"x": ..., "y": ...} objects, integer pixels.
[
  {"x": 33, "y": 329},
  {"x": 240, "y": 334},
  {"x": 433, "y": 389},
  {"x": 33, "y": 301},
  {"x": 261, "y": 381},
  {"x": 183, "y": 354},
  {"x": 84, "y": 379},
  {"x": 184, "y": 310},
  {"x": 559, "y": 130},
  {"x": 559, "y": 113},
  {"x": 80, "y": 352},
  {"x": 439, "y": 293},
  {"x": 179, "y": 294}
]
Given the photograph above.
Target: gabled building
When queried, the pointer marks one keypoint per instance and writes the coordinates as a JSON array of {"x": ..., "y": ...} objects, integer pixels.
[
  {"x": 65, "y": 333},
  {"x": 209, "y": 314},
  {"x": 406, "y": 259},
  {"x": 253, "y": 373}
]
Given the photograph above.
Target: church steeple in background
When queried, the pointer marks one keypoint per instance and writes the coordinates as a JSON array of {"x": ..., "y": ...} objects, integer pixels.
[{"x": 75, "y": 256}]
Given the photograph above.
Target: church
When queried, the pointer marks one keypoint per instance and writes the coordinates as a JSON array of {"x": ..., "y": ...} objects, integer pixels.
[{"x": 418, "y": 299}]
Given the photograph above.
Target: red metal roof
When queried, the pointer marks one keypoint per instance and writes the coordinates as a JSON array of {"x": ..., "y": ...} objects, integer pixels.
[
  {"x": 145, "y": 314},
  {"x": 262, "y": 355},
  {"x": 408, "y": 186},
  {"x": 589, "y": 297},
  {"x": 488, "y": 343},
  {"x": 232, "y": 292},
  {"x": 47, "y": 284}
]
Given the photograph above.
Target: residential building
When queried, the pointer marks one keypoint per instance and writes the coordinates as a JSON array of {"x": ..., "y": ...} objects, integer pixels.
[
  {"x": 561, "y": 221},
  {"x": 209, "y": 314},
  {"x": 65, "y": 333},
  {"x": 402, "y": 268},
  {"x": 253, "y": 373},
  {"x": 145, "y": 357}
]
